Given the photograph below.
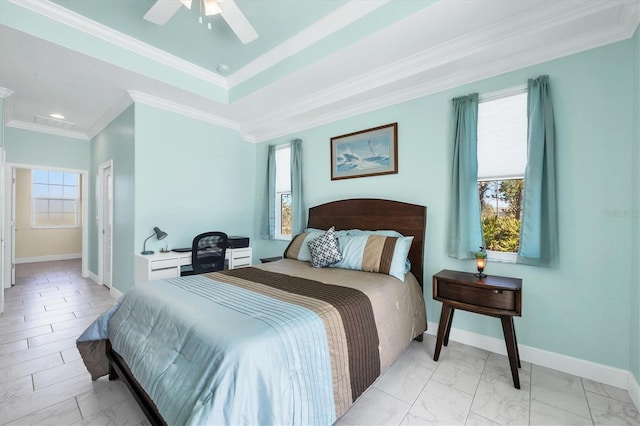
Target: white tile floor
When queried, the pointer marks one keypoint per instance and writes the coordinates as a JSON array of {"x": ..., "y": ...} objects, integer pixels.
[{"x": 43, "y": 380}]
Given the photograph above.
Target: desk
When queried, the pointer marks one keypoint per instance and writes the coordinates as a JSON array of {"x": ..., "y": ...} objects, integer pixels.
[
  {"x": 495, "y": 296},
  {"x": 167, "y": 265}
]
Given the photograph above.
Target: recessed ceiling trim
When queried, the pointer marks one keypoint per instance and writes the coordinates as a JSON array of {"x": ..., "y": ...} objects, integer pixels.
[
  {"x": 336, "y": 20},
  {"x": 187, "y": 111},
  {"x": 465, "y": 46},
  {"x": 47, "y": 129},
  {"x": 74, "y": 20},
  {"x": 478, "y": 73}
]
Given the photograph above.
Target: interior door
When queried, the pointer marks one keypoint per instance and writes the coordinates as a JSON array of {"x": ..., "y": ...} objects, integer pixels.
[{"x": 107, "y": 223}]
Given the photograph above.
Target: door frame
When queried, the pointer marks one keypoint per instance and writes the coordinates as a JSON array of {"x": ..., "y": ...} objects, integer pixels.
[
  {"x": 100, "y": 186},
  {"x": 9, "y": 200}
]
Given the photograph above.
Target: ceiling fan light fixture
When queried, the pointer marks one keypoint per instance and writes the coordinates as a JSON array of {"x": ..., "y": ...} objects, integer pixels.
[
  {"x": 186, "y": 3},
  {"x": 211, "y": 7}
]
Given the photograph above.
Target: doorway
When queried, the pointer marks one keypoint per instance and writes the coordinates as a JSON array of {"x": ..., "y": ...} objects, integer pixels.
[{"x": 26, "y": 223}]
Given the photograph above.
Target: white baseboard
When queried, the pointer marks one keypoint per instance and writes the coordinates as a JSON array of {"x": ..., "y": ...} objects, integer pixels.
[
  {"x": 49, "y": 258},
  {"x": 634, "y": 390},
  {"x": 115, "y": 292},
  {"x": 579, "y": 367}
]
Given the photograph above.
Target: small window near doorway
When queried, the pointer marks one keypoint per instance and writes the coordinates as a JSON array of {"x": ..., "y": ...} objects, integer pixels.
[
  {"x": 54, "y": 199},
  {"x": 502, "y": 159}
]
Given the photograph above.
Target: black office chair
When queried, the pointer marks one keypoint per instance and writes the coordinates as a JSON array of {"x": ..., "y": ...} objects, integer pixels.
[{"x": 207, "y": 253}]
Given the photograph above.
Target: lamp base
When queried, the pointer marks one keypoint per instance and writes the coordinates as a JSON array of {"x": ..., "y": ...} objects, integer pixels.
[
  {"x": 147, "y": 252},
  {"x": 479, "y": 274}
]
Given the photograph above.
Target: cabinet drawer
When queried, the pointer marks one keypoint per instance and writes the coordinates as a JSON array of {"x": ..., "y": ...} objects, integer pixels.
[
  {"x": 239, "y": 262},
  {"x": 164, "y": 264},
  {"x": 241, "y": 253},
  {"x": 487, "y": 297},
  {"x": 164, "y": 273}
]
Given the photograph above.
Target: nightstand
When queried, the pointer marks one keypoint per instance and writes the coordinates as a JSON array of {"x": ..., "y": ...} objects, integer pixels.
[{"x": 494, "y": 296}]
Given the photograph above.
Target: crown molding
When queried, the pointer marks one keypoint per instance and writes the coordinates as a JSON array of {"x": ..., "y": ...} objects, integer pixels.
[
  {"x": 5, "y": 93},
  {"x": 336, "y": 20},
  {"x": 117, "y": 108},
  {"x": 473, "y": 43},
  {"x": 47, "y": 129},
  {"x": 167, "y": 105},
  {"x": 76, "y": 21}
]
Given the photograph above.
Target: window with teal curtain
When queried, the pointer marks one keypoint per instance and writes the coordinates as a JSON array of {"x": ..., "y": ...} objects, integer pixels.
[
  {"x": 538, "y": 231},
  {"x": 465, "y": 231},
  {"x": 283, "y": 214},
  {"x": 268, "y": 225}
]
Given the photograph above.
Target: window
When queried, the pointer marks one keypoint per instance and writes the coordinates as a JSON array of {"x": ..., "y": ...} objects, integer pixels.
[
  {"x": 54, "y": 197},
  {"x": 502, "y": 159},
  {"x": 283, "y": 192}
]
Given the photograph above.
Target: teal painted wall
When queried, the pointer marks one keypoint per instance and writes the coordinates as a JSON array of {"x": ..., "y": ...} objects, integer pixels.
[
  {"x": 634, "y": 339},
  {"x": 579, "y": 308},
  {"x": 115, "y": 142},
  {"x": 191, "y": 177},
  {"x": 42, "y": 149}
]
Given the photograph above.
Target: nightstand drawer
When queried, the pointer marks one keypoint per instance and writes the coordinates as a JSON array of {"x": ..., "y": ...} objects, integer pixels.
[{"x": 487, "y": 297}]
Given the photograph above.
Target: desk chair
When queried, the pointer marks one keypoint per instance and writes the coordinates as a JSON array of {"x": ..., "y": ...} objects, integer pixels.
[{"x": 207, "y": 253}]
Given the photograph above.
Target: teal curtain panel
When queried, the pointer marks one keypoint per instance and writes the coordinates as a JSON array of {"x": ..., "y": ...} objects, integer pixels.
[
  {"x": 538, "y": 231},
  {"x": 465, "y": 231},
  {"x": 297, "y": 207},
  {"x": 268, "y": 226}
]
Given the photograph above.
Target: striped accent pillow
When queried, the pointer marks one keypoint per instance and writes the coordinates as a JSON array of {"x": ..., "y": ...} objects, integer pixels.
[
  {"x": 374, "y": 253},
  {"x": 298, "y": 247}
]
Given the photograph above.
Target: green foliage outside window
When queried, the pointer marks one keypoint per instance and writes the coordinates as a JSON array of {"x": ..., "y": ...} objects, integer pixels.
[
  {"x": 501, "y": 203},
  {"x": 286, "y": 214}
]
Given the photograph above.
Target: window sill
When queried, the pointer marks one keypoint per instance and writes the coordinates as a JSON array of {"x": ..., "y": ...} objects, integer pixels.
[{"x": 503, "y": 257}]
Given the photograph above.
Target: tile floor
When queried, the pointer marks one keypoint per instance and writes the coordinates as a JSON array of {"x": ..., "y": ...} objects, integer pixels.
[{"x": 43, "y": 380}]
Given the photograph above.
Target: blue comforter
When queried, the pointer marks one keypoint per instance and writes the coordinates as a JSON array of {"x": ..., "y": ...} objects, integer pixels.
[{"x": 213, "y": 353}]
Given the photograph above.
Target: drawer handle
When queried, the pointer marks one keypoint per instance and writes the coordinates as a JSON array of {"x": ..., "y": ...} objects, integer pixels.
[{"x": 497, "y": 291}]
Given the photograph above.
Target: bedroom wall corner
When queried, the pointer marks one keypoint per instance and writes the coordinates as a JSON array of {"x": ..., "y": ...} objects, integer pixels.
[
  {"x": 191, "y": 177},
  {"x": 115, "y": 142}
]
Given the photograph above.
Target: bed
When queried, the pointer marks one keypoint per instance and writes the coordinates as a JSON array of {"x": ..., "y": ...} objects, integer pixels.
[{"x": 280, "y": 343}]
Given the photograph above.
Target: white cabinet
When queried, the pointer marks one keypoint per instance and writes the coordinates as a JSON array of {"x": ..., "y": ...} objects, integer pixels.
[
  {"x": 167, "y": 265},
  {"x": 239, "y": 258}
]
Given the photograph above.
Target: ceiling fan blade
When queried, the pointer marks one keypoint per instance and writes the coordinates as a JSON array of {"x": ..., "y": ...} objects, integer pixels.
[
  {"x": 237, "y": 21},
  {"x": 162, "y": 11}
]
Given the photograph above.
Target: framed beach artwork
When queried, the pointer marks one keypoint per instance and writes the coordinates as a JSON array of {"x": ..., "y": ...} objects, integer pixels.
[{"x": 368, "y": 152}]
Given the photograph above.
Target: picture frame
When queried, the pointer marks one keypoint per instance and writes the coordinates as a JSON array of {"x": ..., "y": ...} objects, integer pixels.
[{"x": 370, "y": 152}]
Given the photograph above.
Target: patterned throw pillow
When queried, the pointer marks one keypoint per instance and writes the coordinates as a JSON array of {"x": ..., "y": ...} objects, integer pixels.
[{"x": 324, "y": 249}]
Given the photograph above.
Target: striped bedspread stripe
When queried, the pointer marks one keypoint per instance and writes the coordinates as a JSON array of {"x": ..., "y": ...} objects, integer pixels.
[{"x": 353, "y": 341}]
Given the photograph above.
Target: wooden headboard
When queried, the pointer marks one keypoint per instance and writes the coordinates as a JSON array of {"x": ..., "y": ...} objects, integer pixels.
[{"x": 374, "y": 214}]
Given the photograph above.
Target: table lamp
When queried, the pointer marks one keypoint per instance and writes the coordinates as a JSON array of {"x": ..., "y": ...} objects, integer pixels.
[{"x": 158, "y": 234}]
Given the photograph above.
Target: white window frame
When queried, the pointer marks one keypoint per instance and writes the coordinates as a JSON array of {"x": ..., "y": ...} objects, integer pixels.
[
  {"x": 62, "y": 199},
  {"x": 278, "y": 194},
  {"x": 497, "y": 256}
]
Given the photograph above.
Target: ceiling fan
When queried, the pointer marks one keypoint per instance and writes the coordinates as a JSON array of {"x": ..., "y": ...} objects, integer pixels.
[{"x": 163, "y": 10}]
